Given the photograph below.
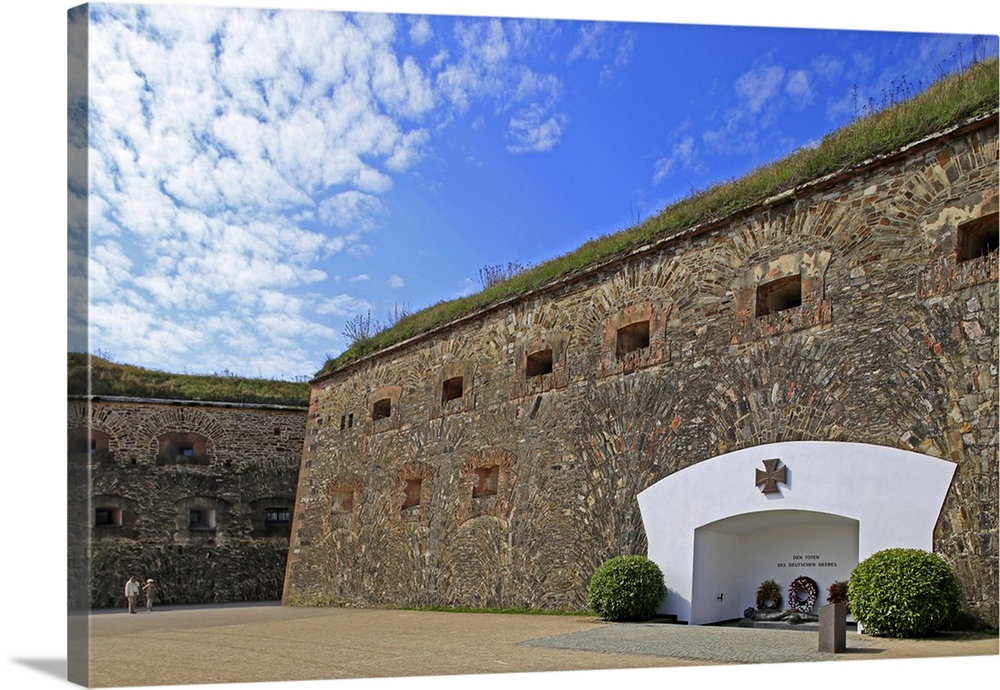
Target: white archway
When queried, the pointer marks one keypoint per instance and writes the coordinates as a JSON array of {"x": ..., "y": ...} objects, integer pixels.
[{"x": 714, "y": 531}]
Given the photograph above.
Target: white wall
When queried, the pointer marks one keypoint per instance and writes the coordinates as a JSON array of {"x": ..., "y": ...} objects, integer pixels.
[
  {"x": 893, "y": 496},
  {"x": 716, "y": 565}
]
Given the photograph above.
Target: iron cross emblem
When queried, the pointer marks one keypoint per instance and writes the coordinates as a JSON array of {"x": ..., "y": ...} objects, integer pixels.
[{"x": 768, "y": 478}]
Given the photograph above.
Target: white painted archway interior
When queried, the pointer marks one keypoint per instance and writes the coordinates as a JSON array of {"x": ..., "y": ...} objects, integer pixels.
[
  {"x": 712, "y": 530},
  {"x": 734, "y": 555}
]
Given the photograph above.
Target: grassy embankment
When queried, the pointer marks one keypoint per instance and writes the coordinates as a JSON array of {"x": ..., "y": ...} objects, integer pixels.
[
  {"x": 901, "y": 120},
  {"x": 113, "y": 379}
]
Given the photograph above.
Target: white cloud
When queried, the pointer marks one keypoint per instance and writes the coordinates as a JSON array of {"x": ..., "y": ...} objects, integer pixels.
[
  {"x": 828, "y": 67},
  {"x": 233, "y": 152},
  {"x": 682, "y": 155},
  {"x": 606, "y": 44},
  {"x": 360, "y": 276},
  {"x": 396, "y": 282},
  {"x": 490, "y": 67},
  {"x": 420, "y": 30},
  {"x": 535, "y": 129},
  {"x": 343, "y": 305},
  {"x": 799, "y": 87},
  {"x": 759, "y": 85},
  {"x": 352, "y": 210}
]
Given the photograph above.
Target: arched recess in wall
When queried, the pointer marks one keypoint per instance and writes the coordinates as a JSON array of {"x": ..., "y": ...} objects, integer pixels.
[
  {"x": 719, "y": 527},
  {"x": 182, "y": 448},
  {"x": 179, "y": 421},
  {"x": 91, "y": 442}
]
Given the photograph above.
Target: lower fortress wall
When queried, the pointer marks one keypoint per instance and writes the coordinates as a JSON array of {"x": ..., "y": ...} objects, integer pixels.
[
  {"x": 196, "y": 496},
  {"x": 495, "y": 462}
]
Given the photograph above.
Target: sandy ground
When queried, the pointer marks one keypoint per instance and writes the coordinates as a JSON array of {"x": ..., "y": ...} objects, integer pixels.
[{"x": 238, "y": 644}]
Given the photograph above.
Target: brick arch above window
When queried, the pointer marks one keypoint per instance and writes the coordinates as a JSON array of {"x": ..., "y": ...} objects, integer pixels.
[
  {"x": 540, "y": 362},
  {"x": 964, "y": 238},
  {"x": 454, "y": 388},
  {"x": 784, "y": 294},
  {"x": 415, "y": 491},
  {"x": 634, "y": 338},
  {"x": 487, "y": 484},
  {"x": 91, "y": 442},
  {"x": 180, "y": 419},
  {"x": 183, "y": 448},
  {"x": 383, "y": 408}
]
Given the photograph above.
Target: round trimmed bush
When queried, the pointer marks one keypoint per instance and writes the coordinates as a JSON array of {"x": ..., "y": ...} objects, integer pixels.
[
  {"x": 626, "y": 588},
  {"x": 903, "y": 593}
]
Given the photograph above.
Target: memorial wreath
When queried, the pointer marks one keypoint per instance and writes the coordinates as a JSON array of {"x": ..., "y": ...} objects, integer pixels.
[{"x": 802, "y": 594}]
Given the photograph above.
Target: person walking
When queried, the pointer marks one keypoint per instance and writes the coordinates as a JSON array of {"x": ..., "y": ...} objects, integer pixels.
[
  {"x": 131, "y": 593},
  {"x": 149, "y": 591}
]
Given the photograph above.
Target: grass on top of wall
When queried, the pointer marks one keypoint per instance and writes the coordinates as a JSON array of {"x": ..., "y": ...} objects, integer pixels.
[
  {"x": 113, "y": 379},
  {"x": 879, "y": 129}
]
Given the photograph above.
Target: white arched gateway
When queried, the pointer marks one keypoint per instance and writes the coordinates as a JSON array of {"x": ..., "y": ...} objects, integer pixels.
[{"x": 720, "y": 527}]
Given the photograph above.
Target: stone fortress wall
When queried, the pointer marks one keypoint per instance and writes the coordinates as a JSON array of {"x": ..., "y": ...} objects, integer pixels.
[
  {"x": 495, "y": 462},
  {"x": 197, "y": 496}
]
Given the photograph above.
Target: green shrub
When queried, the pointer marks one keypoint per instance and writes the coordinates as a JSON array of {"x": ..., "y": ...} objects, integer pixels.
[
  {"x": 903, "y": 593},
  {"x": 626, "y": 588}
]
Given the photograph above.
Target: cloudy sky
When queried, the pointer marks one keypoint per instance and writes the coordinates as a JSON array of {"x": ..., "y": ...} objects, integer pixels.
[{"x": 259, "y": 177}]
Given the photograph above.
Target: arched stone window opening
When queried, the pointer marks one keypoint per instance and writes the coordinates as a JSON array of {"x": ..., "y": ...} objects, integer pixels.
[
  {"x": 182, "y": 448},
  {"x": 93, "y": 442},
  {"x": 411, "y": 493}
]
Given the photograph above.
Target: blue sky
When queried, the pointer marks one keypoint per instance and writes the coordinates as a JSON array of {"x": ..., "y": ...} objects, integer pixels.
[{"x": 259, "y": 177}]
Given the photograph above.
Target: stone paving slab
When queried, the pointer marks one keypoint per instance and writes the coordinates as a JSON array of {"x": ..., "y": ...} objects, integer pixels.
[{"x": 270, "y": 643}]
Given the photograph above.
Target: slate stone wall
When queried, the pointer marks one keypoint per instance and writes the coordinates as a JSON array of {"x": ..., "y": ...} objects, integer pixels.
[
  {"x": 241, "y": 466},
  {"x": 893, "y": 342}
]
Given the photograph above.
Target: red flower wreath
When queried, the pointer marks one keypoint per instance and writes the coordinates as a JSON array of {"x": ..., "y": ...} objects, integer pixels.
[{"x": 802, "y": 585}]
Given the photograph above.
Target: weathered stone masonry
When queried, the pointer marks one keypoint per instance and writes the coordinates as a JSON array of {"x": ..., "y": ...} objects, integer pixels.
[
  {"x": 197, "y": 496},
  {"x": 495, "y": 461}
]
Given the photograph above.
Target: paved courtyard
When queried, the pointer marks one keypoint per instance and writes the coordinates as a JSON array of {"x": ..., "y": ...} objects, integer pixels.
[{"x": 268, "y": 642}]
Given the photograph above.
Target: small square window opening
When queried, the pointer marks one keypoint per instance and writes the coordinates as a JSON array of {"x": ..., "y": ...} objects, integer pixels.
[
  {"x": 633, "y": 337},
  {"x": 275, "y": 517},
  {"x": 201, "y": 519},
  {"x": 488, "y": 479},
  {"x": 779, "y": 295},
  {"x": 382, "y": 409},
  {"x": 978, "y": 238},
  {"x": 108, "y": 517},
  {"x": 412, "y": 492},
  {"x": 451, "y": 389},
  {"x": 539, "y": 363}
]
